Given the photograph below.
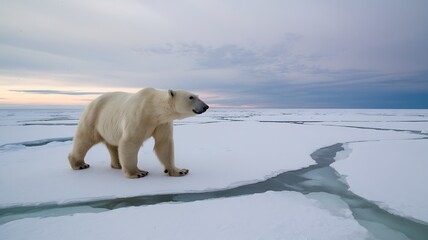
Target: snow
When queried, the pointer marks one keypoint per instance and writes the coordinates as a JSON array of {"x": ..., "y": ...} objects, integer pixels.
[
  {"x": 219, "y": 155},
  {"x": 28, "y": 125},
  {"x": 271, "y": 215},
  {"x": 223, "y": 149},
  {"x": 340, "y": 115},
  {"x": 393, "y": 173},
  {"x": 12, "y": 135}
]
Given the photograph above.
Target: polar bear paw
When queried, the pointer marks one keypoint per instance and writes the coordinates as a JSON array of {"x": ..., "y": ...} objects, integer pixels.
[
  {"x": 142, "y": 173},
  {"x": 138, "y": 174},
  {"x": 84, "y": 166},
  {"x": 80, "y": 166},
  {"x": 177, "y": 172}
]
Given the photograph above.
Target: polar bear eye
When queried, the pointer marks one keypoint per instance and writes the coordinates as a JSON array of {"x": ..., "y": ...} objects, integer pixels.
[{"x": 191, "y": 97}]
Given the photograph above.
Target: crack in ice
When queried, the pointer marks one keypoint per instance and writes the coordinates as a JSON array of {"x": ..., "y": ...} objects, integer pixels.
[{"x": 34, "y": 143}]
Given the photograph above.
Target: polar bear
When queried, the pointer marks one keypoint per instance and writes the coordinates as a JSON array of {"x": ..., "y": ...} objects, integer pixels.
[{"x": 123, "y": 121}]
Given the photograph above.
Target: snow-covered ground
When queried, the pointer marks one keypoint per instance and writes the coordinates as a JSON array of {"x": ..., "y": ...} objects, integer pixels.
[
  {"x": 223, "y": 149},
  {"x": 284, "y": 215},
  {"x": 393, "y": 173}
]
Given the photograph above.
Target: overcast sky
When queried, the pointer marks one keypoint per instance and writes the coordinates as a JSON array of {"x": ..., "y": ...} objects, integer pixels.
[{"x": 291, "y": 54}]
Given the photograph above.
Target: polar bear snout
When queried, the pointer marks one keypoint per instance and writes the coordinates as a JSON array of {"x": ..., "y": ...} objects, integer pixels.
[{"x": 201, "y": 108}]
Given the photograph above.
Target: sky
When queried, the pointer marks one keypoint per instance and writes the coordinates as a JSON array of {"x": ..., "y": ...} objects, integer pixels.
[{"x": 232, "y": 53}]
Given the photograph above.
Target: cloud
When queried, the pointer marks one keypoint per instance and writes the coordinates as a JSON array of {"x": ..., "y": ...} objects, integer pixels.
[
  {"x": 223, "y": 56},
  {"x": 56, "y": 92},
  {"x": 281, "y": 54}
]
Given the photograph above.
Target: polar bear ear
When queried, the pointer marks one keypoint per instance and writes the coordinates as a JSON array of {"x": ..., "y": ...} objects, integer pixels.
[{"x": 171, "y": 93}]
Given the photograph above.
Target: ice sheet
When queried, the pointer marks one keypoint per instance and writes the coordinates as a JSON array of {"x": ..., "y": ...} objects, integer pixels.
[
  {"x": 271, "y": 215},
  {"x": 24, "y": 125},
  {"x": 340, "y": 115},
  {"x": 421, "y": 126},
  {"x": 219, "y": 155},
  {"x": 14, "y": 135},
  {"x": 222, "y": 149},
  {"x": 393, "y": 173}
]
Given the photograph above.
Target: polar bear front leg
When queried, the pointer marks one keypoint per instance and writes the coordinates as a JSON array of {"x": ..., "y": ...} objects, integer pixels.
[
  {"x": 164, "y": 148},
  {"x": 128, "y": 158}
]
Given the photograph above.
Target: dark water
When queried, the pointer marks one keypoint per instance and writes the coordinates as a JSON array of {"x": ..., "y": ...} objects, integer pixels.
[{"x": 318, "y": 178}]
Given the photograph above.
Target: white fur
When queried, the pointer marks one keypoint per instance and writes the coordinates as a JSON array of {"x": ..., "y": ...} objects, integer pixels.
[{"x": 123, "y": 121}]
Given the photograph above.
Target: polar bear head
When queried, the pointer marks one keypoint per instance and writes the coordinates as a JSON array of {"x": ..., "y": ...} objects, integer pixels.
[{"x": 187, "y": 103}]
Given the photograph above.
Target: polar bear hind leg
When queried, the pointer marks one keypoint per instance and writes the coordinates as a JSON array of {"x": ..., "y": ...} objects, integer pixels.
[
  {"x": 81, "y": 146},
  {"x": 114, "y": 155}
]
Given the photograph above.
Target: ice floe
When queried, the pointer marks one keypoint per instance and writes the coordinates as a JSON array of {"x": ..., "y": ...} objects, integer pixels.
[
  {"x": 383, "y": 161},
  {"x": 271, "y": 215},
  {"x": 392, "y": 173}
]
